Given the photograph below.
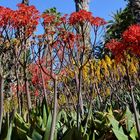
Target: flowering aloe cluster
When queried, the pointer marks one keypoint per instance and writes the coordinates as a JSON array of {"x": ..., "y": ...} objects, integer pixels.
[
  {"x": 25, "y": 16},
  {"x": 83, "y": 16},
  {"x": 129, "y": 42}
]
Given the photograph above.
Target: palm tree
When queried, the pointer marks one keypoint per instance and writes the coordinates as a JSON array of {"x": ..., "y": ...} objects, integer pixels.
[{"x": 121, "y": 19}]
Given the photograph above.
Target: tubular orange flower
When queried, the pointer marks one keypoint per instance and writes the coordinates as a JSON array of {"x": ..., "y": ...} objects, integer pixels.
[
  {"x": 26, "y": 16},
  {"x": 115, "y": 46},
  {"x": 80, "y": 17},
  {"x": 48, "y": 18},
  {"x": 84, "y": 16},
  {"x": 97, "y": 21},
  {"x": 130, "y": 42},
  {"x": 5, "y": 16},
  {"x": 131, "y": 38},
  {"x": 132, "y": 34}
]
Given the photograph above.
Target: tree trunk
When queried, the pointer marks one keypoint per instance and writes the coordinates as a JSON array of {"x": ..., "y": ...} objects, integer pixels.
[
  {"x": 26, "y": 2},
  {"x": 79, "y": 5}
]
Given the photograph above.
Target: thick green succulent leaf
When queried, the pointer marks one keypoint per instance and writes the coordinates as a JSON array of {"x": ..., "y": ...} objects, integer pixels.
[
  {"x": 133, "y": 133},
  {"x": 28, "y": 138},
  {"x": 119, "y": 134},
  {"x": 36, "y": 135},
  {"x": 19, "y": 122},
  {"x": 8, "y": 137},
  {"x": 21, "y": 134},
  {"x": 129, "y": 120},
  {"x": 44, "y": 116},
  {"x": 118, "y": 130},
  {"x": 114, "y": 123},
  {"x": 48, "y": 127},
  {"x": 72, "y": 134}
]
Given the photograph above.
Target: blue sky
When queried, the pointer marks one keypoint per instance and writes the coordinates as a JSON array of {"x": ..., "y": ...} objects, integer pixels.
[{"x": 102, "y": 8}]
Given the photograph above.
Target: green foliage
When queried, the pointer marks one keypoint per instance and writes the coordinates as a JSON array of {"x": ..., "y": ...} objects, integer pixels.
[
  {"x": 95, "y": 125},
  {"x": 121, "y": 20},
  {"x": 53, "y": 11}
]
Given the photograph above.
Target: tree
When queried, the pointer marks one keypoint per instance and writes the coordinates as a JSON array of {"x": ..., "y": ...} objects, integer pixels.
[{"x": 121, "y": 20}]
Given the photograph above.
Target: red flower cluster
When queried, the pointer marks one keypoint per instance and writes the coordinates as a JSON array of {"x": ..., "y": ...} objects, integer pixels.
[
  {"x": 131, "y": 38},
  {"x": 80, "y": 17},
  {"x": 130, "y": 42},
  {"x": 25, "y": 16},
  {"x": 117, "y": 48},
  {"x": 64, "y": 19},
  {"x": 51, "y": 23},
  {"x": 68, "y": 38},
  {"x": 34, "y": 69},
  {"x": 52, "y": 19},
  {"x": 132, "y": 35},
  {"x": 37, "y": 74},
  {"x": 84, "y": 16},
  {"x": 48, "y": 18},
  {"x": 6, "y": 15},
  {"x": 97, "y": 21},
  {"x": 36, "y": 93}
]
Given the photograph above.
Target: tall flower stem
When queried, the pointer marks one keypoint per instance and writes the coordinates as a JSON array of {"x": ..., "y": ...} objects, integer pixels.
[
  {"x": 53, "y": 125},
  {"x": 44, "y": 88},
  {"x": 79, "y": 103},
  {"x": 29, "y": 105},
  {"x": 27, "y": 91}
]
